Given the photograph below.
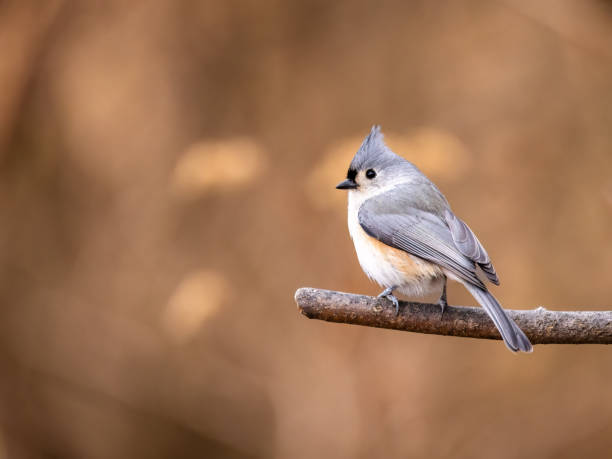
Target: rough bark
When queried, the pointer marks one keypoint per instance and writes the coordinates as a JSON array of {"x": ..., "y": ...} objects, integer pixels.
[{"x": 541, "y": 325}]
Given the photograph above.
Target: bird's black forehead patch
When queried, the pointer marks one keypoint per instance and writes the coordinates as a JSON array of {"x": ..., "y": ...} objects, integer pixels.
[{"x": 351, "y": 174}]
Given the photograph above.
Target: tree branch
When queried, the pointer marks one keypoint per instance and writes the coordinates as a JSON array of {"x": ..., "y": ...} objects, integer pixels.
[{"x": 540, "y": 325}]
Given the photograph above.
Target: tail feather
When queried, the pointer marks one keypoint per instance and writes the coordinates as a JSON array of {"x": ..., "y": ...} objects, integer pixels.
[
  {"x": 489, "y": 271},
  {"x": 513, "y": 336}
]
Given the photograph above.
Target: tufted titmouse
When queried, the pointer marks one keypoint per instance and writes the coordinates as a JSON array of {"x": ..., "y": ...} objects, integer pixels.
[{"x": 408, "y": 239}]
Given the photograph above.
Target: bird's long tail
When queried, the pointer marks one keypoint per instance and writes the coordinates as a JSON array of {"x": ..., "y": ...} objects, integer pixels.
[{"x": 513, "y": 336}]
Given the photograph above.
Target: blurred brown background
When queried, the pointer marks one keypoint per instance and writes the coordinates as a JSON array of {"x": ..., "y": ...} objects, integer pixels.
[{"x": 167, "y": 173}]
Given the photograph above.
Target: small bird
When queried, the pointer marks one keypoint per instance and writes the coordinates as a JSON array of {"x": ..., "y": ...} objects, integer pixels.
[{"x": 408, "y": 239}]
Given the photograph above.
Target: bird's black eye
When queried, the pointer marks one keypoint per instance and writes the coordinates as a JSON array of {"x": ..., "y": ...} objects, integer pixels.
[{"x": 370, "y": 173}]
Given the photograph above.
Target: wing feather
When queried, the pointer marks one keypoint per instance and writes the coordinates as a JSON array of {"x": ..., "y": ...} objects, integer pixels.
[
  {"x": 419, "y": 233},
  {"x": 469, "y": 245}
]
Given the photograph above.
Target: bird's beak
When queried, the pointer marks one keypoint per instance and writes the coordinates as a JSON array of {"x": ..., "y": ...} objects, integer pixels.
[{"x": 348, "y": 184}]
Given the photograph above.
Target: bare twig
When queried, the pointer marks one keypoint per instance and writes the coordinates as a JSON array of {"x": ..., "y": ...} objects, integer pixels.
[{"x": 540, "y": 325}]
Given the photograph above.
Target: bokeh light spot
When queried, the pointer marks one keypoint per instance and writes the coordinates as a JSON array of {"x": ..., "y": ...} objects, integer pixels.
[
  {"x": 197, "y": 297},
  {"x": 225, "y": 165}
]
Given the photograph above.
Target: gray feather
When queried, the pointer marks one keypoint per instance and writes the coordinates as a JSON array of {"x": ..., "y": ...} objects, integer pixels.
[
  {"x": 513, "y": 336},
  {"x": 469, "y": 245},
  {"x": 374, "y": 153}
]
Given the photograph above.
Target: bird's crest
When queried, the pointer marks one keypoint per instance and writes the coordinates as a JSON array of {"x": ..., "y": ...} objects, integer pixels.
[{"x": 373, "y": 150}]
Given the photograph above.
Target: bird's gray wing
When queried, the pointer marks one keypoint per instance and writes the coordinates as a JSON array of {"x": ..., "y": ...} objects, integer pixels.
[
  {"x": 469, "y": 245},
  {"x": 419, "y": 233}
]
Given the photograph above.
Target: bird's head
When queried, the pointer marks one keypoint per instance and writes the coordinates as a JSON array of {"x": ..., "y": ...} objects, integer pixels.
[{"x": 375, "y": 166}]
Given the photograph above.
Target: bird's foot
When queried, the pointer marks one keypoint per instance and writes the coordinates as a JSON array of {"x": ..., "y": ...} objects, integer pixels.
[
  {"x": 443, "y": 303},
  {"x": 388, "y": 294}
]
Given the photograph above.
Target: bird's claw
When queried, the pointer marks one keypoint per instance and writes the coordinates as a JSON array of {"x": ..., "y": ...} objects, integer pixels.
[
  {"x": 388, "y": 294},
  {"x": 395, "y": 303}
]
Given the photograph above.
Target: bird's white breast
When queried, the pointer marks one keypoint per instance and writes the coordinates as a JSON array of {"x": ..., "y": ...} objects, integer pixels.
[{"x": 386, "y": 265}]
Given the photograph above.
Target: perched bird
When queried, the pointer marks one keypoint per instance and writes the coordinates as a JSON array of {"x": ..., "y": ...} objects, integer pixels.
[{"x": 408, "y": 239}]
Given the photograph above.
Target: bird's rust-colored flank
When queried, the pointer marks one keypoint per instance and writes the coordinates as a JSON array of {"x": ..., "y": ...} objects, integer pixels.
[{"x": 404, "y": 262}]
